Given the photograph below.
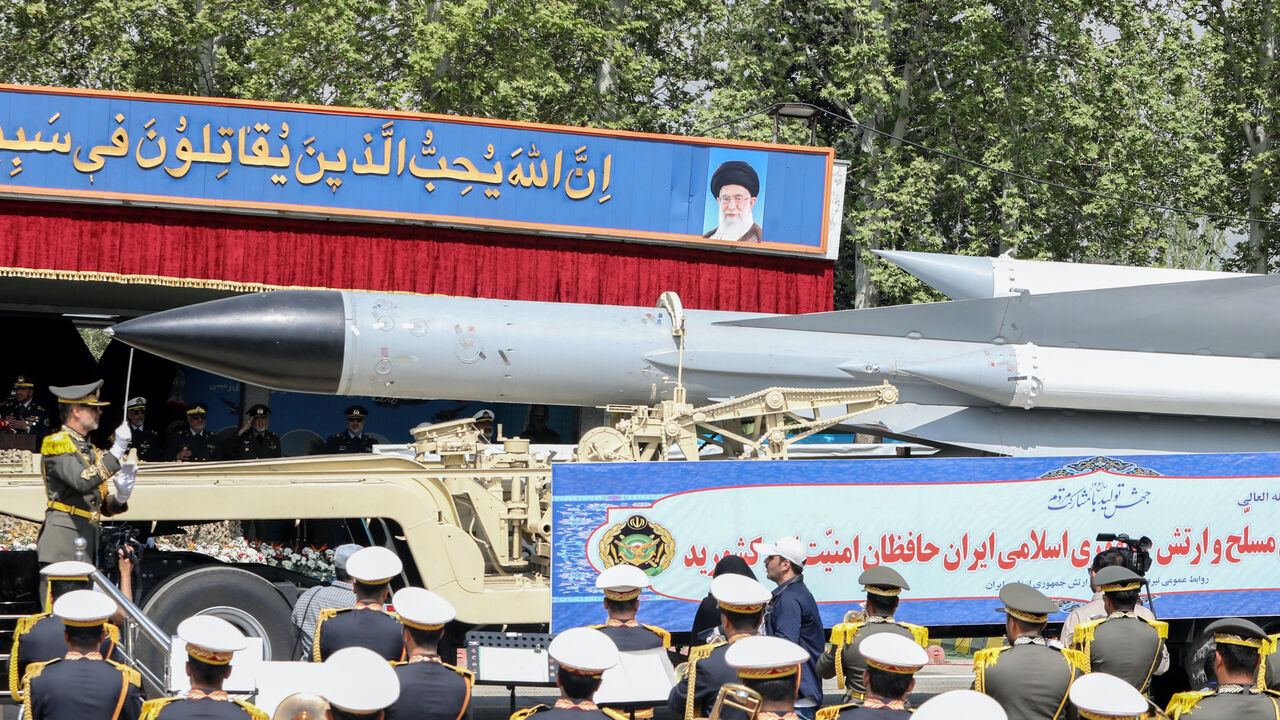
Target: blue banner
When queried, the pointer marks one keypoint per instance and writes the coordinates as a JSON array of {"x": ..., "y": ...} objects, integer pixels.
[
  {"x": 234, "y": 155},
  {"x": 956, "y": 529}
]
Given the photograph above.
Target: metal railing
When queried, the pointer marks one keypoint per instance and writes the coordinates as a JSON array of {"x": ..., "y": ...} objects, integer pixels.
[{"x": 144, "y": 625}]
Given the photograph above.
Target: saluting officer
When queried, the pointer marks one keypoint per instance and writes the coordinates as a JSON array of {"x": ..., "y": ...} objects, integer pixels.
[
  {"x": 1237, "y": 644},
  {"x": 254, "y": 439},
  {"x": 741, "y": 601},
  {"x": 843, "y": 661},
  {"x": 1099, "y": 696},
  {"x": 40, "y": 637},
  {"x": 622, "y": 585},
  {"x": 22, "y": 414},
  {"x": 583, "y": 655},
  {"x": 960, "y": 705},
  {"x": 1029, "y": 677},
  {"x": 367, "y": 624},
  {"x": 353, "y": 439},
  {"x": 76, "y": 474},
  {"x": 146, "y": 441},
  {"x": 770, "y": 666},
  {"x": 194, "y": 443},
  {"x": 81, "y": 685},
  {"x": 430, "y": 689},
  {"x": 358, "y": 684},
  {"x": 211, "y": 642},
  {"x": 1123, "y": 643},
  {"x": 891, "y": 664}
]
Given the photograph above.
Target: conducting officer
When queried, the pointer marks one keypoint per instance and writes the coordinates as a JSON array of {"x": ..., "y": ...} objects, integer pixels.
[
  {"x": 359, "y": 685},
  {"x": 254, "y": 439},
  {"x": 1099, "y": 696},
  {"x": 1029, "y": 678},
  {"x": 353, "y": 439},
  {"x": 891, "y": 662},
  {"x": 622, "y": 585},
  {"x": 81, "y": 685},
  {"x": 430, "y": 689},
  {"x": 146, "y": 441},
  {"x": 40, "y": 637},
  {"x": 843, "y": 661},
  {"x": 1123, "y": 643},
  {"x": 1236, "y": 647},
  {"x": 741, "y": 601},
  {"x": 194, "y": 443},
  {"x": 76, "y": 474},
  {"x": 770, "y": 666},
  {"x": 583, "y": 655},
  {"x": 367, "y": 624},
  {"x": 211, "y": 642}
]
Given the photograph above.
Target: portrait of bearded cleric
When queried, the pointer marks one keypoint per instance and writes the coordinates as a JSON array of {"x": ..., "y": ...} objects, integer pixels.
[{"x": 735, "y": 188}]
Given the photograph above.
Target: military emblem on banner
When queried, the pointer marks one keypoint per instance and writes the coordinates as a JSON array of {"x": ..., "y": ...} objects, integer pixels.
[{"x": 647, "y": 545}]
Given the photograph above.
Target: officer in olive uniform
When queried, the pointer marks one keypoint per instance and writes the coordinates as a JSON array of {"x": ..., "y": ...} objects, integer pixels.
[
  {"x": 1236, "y": 655},
  {"x": 145, "y": 440},
  {"x": 1099, "y": 696},
  {"x": 769, "y": 665},
  {"x": 211, "y": 642},
  {"x": 430, "y": 689},
  {"x": 741, "y": 601},
  {"x": 193, "y": 443},
  {"x": 891, "y": 664},
  {"x": 1028, "y": 677},
  {"x": 842, "y": 660},
  {"x": 368, "y": 624},
  {"x": 81, "y": 685},
  {"x": 1122, "y": 643},
  {"x": 76, "y": 474},
  {"x": 353, "y": 439},
  {"x": 358, "y": 684},
  {"x": 40, "y": 637},
  {"x": 583, "y": 655},
  {"x": 254, "y": 440},
  {"x": 23, "y": 415}
]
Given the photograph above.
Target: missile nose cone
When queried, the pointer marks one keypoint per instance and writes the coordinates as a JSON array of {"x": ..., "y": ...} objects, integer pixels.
[
  {"x": 959, "y": 277},
  {"x": 287, "y": 340}
]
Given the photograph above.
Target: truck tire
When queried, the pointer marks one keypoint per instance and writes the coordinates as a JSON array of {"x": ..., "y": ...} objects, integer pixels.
[{"x": 238, "y": 596}]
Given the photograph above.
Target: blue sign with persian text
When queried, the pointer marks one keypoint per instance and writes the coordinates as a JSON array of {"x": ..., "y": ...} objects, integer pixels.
[{"x": 230, "y": 155}]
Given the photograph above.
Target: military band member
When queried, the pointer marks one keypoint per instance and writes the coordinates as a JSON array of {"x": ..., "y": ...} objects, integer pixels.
[
  {"x": 430, "y": 689},
  {"x": 960, "y": 705},
  {"x": 353, "y": 439},
  {"x": 1237, "y": 644},
  {"x": 359, "y": 685},
  {"x": 40, "y": 637},
  {"x": 367, "y": 624},
  {"x": 622, "y": 585},
  {"x": 741, "y": 601},
  {"x": 1029, "y": 677},
  {"x": 82, "y": 685},
  {"x": 770, "y": 666},
  {"x": 891, "y": 662},
  {"x": 76, "y": 475},
  {"x": 842, "y": 660},
  {"x": 22, "y": 414},
  {"x": 1123, "y": 643},
  {"x": 583, "y": 655},
  {"x": 146, "y": 441},
  {"x": 1099, "y": 696},
  {"x": 211, "y": 643},
  {"x": 194, "y": 443},
  {"x": 254, "y": 440}
]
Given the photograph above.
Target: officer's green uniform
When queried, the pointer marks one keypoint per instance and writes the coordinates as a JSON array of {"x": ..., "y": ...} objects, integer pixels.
[
  {"x": 1029, "y": 678},
  {"x": 1230, "y": 701},
  {"x": 1122, "y": 644},
  {"x": 842, "y": 660},
  {"x": 75, "y": 482}
]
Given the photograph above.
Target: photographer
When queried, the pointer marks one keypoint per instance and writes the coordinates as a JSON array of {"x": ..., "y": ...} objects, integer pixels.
[{"x": 1096, "y": 608}]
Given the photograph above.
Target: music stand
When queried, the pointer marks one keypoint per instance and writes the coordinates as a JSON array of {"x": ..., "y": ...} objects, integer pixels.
[{"x": 510, "y": 659}]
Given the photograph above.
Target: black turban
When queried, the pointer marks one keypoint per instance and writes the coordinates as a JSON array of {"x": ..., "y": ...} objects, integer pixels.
[{"x": 735, "y": 172}]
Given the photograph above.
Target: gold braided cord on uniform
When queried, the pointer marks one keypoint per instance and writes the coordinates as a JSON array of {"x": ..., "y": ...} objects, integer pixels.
[
  {"x": 701, "y": 652},
  {"x": 151, "y": 708},
  {"x": 660, "y": 632},
  {"x": 526, "y": 712},
  {"x": 919, "y": 633},
  {"x": 33, "y": 671},
  {"x": 325, "y": 614},
  {"x": 982, "y": 660},
  {"x": 831, "y": 712},
  {"x": 1026, "y": 616},
  {"x": 59, "y": 443},
  {"x": 1184, "y": 702},
  {"x": 1074, "y": 660},
  {"x": 1228, "y": 639},
  {"x": 1268, "y": 648},
  {"x": 615, "y": 714},
  {"x": 883, "y": 591},
  {"x": 1078, "y": 660},
  {"x": 255, "y": 712},
  {"x": 842, "y": 635},
  {"x": 23, "y": 627}
]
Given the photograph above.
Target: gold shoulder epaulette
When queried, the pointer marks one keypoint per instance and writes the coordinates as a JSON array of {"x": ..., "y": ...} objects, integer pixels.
[
  {"x": 841, "y": 634},
  {"x": 660, "y": 632},
  {"x": 832, "y": 712},
  {"x": 615, "y": 714},
  {"x": 526, "y": 712},
  {"x": 151, "y": 708},
  {"x": 325, "y": 614},
  {"x": 987, "y": 657},
  {"x": 919, "y": 633},
  {"x": 254, "y": 711},
  {"x": 1078, "y": 658},
  {"x": 1084, "y": 632},
  {"x": 465, "y": 673},
  {"x": 135, "y": 677},
  {"x": 1183, "y": 702},
  {"x": 1162, "y": 628},
  {"x": 597, "y": 627},
  {"x": 59, "y": 443},
  {"x": 703, "y": 652}
]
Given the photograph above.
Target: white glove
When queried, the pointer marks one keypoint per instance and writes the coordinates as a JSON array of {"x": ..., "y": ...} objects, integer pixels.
[
  {"x": 124, "y": 479},
  {"x": 124, "y": 434}
]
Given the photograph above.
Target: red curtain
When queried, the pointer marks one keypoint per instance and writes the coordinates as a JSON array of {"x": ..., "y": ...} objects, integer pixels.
[{"x": 210, "y": 246}]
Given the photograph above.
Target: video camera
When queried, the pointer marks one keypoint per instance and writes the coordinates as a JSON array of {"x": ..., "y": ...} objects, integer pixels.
[
  {"x": 114, "y": 539},
  {"x": 1136, "y": 552}
]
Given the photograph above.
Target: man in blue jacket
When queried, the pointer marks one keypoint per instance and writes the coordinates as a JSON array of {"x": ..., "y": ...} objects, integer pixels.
[{"x": 793, "y": 614}]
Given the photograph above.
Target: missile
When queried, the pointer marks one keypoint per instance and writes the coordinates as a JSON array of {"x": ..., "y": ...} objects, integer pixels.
[{"x": 962, "y": 277}]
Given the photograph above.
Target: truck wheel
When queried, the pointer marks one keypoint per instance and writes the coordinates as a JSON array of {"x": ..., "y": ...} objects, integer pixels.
[{"x": 238, "y": 596}]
